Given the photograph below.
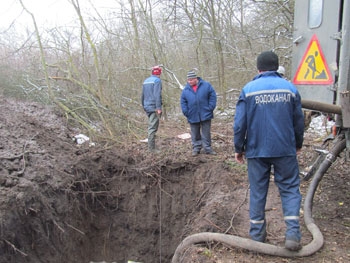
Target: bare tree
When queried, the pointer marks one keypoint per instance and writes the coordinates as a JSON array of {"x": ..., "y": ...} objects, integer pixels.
[{"x": 95, "y": 68}]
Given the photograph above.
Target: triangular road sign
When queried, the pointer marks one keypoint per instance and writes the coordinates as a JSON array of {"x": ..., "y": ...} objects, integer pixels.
[{"x": 313, "y": 68}]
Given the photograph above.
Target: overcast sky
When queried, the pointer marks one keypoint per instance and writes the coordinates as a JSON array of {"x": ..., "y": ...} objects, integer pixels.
[{"x": 46, "y": 12}]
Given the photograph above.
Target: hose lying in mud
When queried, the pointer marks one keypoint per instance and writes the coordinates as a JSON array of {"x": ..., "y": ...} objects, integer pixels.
[{"x": 240, "y": 242}]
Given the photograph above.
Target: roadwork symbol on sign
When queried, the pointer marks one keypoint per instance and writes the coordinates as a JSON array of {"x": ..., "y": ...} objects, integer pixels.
[{"x": 313, "y": 68}]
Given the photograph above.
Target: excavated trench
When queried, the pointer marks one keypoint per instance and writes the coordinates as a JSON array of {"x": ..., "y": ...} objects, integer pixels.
[
  {"x": 60, "y": 202},
  {"x": 63, "y": 202},
  {"x": 108, "y": 208}
]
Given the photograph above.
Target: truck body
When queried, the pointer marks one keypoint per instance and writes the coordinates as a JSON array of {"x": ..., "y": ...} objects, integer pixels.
[{"x": 321, "y": 58}]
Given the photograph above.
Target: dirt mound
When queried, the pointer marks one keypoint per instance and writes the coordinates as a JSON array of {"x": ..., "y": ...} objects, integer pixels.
[{"x": 63, "y": 202}]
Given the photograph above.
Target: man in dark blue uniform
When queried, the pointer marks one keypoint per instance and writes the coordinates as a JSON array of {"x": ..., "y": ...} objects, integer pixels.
[{"x": 268, "y": 130}]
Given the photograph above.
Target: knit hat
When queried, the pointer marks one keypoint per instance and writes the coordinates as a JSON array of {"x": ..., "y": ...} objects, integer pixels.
[
  {"x": 191, "y": 75},
  {"x": 267, "y": 61},
  {"x": 156, "y": 70}
]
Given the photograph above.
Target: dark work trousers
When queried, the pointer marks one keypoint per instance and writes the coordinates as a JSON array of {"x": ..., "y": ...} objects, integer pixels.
[
  {"x": 286, "y": 177},
  {"x": 153, "y": 124},
  {"x": 200, "y": 135}
]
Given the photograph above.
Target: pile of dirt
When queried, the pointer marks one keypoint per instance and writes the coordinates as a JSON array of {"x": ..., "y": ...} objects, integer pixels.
[{"x": 64, "y": 202}]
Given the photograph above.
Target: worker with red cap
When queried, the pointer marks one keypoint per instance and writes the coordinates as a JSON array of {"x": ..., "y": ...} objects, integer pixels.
[{"x": 152, "y": 104}]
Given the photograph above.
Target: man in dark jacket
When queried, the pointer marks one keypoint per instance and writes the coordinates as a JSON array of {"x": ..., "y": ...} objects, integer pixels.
[
  {"x": 198, "y": 101},
  {"x": 269, "y": 130},
  {"x": 152, "y": 104}
]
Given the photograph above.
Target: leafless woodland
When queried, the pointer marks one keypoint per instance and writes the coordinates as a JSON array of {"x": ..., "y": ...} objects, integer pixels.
[{"x": 93, "y": 68}]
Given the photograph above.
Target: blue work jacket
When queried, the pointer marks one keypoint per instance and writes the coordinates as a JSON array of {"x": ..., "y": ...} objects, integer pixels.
[
  {"x": 269, "y": 121},
  {"x": 151, "y": 97},
  {"x": 198, "y": 106}
]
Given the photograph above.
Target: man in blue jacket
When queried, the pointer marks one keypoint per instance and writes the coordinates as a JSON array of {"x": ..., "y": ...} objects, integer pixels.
[
  {"x": 198, "y": 101},
  {"x": 152, "y": 104},
  {"x": 268, "y": 130}
]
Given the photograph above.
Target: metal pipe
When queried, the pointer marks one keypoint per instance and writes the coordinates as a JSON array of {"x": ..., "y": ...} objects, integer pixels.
[{"x": 320, "y": 106}]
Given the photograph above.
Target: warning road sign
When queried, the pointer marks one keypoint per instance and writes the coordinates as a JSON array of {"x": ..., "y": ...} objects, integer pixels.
[{"x": 313, "y": 68}]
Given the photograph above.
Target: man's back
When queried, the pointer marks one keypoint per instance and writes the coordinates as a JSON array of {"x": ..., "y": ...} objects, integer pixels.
[
  {"x": 269, "y": 109},
  {"x": 152, "y": 94}
]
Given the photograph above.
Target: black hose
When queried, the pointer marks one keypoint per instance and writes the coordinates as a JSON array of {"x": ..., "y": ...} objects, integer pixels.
[
  {"x": 235, "y": 241},
  {"x": 327, "y": 162}
]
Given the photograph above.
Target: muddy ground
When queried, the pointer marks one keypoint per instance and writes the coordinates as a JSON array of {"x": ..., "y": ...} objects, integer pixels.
[{"x": 64, "y": 202}]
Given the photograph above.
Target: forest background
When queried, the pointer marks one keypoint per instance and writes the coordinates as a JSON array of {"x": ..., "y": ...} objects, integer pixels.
[{"x": 93, "y": 68}]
